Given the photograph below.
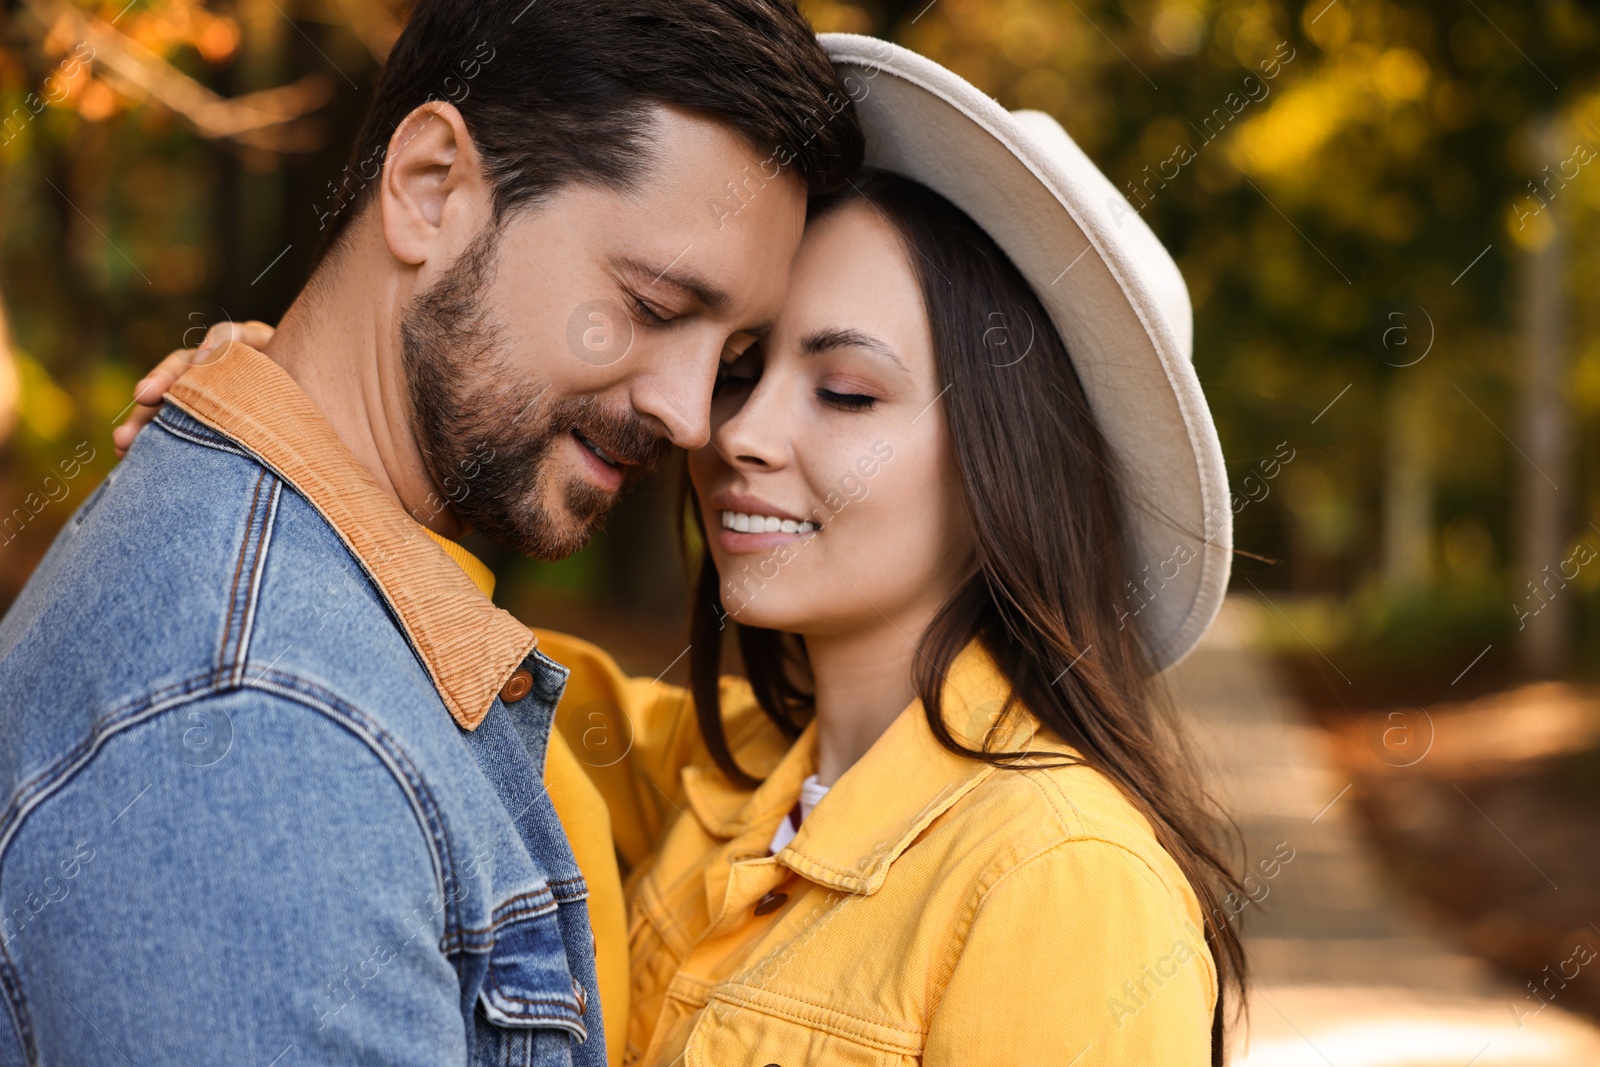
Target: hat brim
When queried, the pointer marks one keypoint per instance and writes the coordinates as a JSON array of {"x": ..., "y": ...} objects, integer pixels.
[{"x": 1113, "y": 294}]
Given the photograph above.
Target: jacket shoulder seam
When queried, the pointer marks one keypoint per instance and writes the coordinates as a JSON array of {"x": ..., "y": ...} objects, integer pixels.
[
  {"x": 999, "y": 874},
  {"x": 35, "y": 793},
  {"x": 204, "y": 436}
]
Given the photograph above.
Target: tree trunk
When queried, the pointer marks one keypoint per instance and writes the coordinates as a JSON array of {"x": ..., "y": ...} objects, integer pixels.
[
  {"x": 1544, "y": 436},
  {"x": 1408, "y": 484}
]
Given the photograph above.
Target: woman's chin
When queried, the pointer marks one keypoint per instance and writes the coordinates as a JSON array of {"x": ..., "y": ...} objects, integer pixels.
[{"x": 750, "y": 611}]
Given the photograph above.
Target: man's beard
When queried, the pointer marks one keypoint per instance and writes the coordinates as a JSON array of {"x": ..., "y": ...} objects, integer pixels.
[{"x": 486, "y": 432}]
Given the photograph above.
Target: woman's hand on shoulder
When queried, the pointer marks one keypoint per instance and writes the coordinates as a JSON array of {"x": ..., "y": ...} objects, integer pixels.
[{"x": 152, "y": 389}]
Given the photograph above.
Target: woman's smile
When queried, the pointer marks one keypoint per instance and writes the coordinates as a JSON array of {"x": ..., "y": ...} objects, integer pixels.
[{"x": 749, "y": 525}]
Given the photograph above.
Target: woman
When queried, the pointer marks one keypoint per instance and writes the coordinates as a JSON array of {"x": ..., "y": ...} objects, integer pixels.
[{"x": 959, "y": 507}]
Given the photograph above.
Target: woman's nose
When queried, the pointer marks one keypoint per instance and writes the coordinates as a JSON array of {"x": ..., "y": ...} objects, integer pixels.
[{"x": 758, "y": 433}]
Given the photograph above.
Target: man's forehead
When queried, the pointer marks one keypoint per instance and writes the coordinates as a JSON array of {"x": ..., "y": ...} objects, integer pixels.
[{"x": 713, "y": 228}]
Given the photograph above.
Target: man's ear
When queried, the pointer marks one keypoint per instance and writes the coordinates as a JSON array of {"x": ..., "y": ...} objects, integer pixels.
[{"x": 433, "y": 196}]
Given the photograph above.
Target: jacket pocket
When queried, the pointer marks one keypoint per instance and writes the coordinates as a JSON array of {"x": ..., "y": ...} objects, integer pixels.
[
  {"x": 791, "y": 1034},
  {"x": 528, "y": 983}
]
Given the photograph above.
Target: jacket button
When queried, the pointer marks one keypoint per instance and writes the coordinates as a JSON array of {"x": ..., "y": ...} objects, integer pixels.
[
  {"x": 583, "y": 998},
  {"x": 770, "y": 903},
  {"x": 517, "y": 686}
]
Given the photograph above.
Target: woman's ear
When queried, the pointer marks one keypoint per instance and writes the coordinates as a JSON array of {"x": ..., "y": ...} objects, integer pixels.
[{"x": 433, "y": 195}]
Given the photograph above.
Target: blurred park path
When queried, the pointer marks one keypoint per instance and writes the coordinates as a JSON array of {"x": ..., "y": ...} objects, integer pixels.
[{"x": 1343, "y": 975}]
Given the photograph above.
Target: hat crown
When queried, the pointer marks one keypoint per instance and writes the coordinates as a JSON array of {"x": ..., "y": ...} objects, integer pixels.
[{"x": 1154, "y": 262}]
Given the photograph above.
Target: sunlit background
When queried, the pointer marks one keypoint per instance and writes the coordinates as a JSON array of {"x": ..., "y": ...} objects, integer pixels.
[{"x": 1387, "y": 214}]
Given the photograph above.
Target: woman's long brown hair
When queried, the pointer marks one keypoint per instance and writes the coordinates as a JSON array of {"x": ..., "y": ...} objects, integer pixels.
[{"x": 1052, "y": 558}]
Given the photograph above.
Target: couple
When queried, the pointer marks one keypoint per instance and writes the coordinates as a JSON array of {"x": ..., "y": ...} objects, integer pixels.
[{"x": 283, "y": 786}]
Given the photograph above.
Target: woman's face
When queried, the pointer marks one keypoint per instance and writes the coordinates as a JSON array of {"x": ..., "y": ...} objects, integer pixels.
[{"x": 829, "y": 491}]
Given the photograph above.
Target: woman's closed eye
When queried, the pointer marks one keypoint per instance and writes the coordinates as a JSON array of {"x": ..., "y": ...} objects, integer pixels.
[{"x": 846, "y": 401}]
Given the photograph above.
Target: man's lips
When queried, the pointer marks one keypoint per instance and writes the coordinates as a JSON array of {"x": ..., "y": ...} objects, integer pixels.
[
  {"x": 628, "y": 447},
  {"x": 602, "y": 467},
  {"x": 605, "y": 457}
]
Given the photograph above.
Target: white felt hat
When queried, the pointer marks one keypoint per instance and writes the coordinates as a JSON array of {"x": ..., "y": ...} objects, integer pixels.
[{"x": 1115, "y": 295}]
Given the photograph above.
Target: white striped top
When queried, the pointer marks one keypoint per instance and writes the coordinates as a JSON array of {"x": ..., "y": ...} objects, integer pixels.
[{"x": 811, "y": 791}]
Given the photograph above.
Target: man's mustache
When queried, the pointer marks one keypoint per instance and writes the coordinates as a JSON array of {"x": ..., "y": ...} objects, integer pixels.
[{"x": 626, "y": 437}]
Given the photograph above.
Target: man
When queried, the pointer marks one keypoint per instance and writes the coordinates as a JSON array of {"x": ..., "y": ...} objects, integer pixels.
[{"x": 270, "y": 758}]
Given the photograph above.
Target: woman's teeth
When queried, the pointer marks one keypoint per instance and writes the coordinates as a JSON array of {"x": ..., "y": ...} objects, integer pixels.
[{"x": 739, "y": 521}]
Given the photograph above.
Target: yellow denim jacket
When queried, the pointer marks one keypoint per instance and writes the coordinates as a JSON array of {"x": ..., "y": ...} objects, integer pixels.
[{"x": 932, "y": 909}]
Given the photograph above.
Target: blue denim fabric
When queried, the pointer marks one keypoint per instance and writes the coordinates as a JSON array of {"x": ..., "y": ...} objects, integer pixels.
[{"x": 237, "y": 822}]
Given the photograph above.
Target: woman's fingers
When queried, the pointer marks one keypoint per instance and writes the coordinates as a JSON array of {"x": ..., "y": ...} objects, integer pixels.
[
  {"x": 122, "y": 437},
  {"x": 253, "y": 333},
  {"x": 148, "y": 394}
]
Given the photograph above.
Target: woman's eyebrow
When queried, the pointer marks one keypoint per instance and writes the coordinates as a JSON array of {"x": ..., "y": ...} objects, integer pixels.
[{"x": 838, "y": 337}]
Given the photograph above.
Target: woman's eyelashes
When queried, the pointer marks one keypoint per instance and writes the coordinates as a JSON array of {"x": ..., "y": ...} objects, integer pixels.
[{"x": 846, "y": 401}]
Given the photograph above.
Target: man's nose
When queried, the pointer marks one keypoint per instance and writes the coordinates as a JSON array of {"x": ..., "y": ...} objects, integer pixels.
[{"x": 680, "y": 401}]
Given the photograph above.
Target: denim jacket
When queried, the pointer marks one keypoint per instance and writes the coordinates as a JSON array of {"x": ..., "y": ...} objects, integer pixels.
[{"x": 266, "y": 795}]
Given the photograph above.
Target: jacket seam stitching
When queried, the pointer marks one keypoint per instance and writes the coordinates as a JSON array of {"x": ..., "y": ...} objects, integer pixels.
[
  {"x": 538, "y": 899},
  {"x": 424, "y": 805},
  {"x": 904, "y": 842},
  {"x": 41, "y": 787},
  {"x": 169, "y": 424},
  {"x": 481, "y": 939},
  {"x": 252, "y": 593},
  {"x": 970, "y": 916},
  {"x": 17, "y": 1006},
  {"x": 54, "y": 778},
  {"x": 572, "y": 1019},
  {"x": 757, "y": 1000},
  {"x": 238, "y": 569},
  {"x": 170, "y": 419},
  {"x": 982, "y": 897}
]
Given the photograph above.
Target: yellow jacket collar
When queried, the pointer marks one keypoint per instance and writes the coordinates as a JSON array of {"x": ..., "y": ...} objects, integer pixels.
[
  {"x": 901, "y": 784},
  {"x": 469, "y": 646},
  {"x": 476, "y": 569}
]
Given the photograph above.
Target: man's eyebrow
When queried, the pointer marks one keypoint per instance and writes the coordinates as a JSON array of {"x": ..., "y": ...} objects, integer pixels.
[
  {"x": 683, "y": 279},
  {"x": 822, "y": 340}
]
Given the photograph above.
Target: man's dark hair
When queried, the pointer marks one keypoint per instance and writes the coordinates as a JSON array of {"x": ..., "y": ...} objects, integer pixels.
[{"x": 557, "y": 91}]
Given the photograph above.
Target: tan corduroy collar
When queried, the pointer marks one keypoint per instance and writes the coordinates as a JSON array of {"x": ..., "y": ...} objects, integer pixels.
[{"x": 469, "y": 646}]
